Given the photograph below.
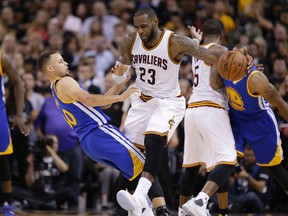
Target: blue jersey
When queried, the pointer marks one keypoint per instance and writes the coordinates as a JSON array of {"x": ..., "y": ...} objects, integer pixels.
[
  {"x": 253, "y": 122},
  {"x": 5, "y": 139},
  {"x": 80, "y": 117},
  {"x": 242, "y": 103}
]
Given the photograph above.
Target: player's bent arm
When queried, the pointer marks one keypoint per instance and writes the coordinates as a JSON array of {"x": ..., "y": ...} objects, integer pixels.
[
  {"x": 68, "y": 89},
  {"x": 259, "y": 85},
  {"x": 125, "y": 49},
  {"x": 16, "y": 81},
  {"x": 181, "y": 45},
  {"x": 216, "y": 81}
]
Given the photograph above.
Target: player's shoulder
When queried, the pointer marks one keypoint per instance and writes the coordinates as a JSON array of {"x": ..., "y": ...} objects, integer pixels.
[
  {"x": 218, "y": 47},
  {"x": 129, "y": 37}
]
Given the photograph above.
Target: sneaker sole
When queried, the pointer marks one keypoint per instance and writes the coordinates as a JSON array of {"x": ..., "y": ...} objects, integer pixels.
[
  {"x": 125, "y": 200},
  {"x": 189, "y": 213}
]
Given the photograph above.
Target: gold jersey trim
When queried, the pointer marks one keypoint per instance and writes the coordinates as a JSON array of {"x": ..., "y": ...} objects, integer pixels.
[
  {"x": 1, "y": 69},
  {"x": 146, "y": 98},
  {"x": 248, "y": 90},
  {"x": 169, "y": 50},
  {"x": 276, "y": 159},
  {"x": 158, "y": 42},
  {"x": 137, "y": 165},
  {"x": 212, "y": 167},
  {"x": 9, "y": 149},
  {"x": 64, "y": 101},
  {"x": 205, "y": 103}
]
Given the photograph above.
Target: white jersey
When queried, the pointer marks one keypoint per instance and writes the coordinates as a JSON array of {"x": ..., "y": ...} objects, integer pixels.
[
  {"x": 202, "y": 91},
  {"x": 157, "y": 73}
]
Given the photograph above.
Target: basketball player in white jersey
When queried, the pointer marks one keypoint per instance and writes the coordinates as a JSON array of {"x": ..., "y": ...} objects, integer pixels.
[
  {"x": 209, "y": 139},
  {"x": 155, "y": 55}
]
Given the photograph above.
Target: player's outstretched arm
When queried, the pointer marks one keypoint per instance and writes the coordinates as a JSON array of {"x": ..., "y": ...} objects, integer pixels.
[
  {"x": 68, "y": 89},
  {"x": 258, "y": 84},
  {"x": 181, "y": 45}
]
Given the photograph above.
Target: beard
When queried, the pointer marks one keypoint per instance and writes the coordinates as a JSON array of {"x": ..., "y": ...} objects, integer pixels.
[{"x": 151, "y": 35}]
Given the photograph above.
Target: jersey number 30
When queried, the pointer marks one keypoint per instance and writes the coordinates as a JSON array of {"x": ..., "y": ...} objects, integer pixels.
[{"x": 150, "y": 77}]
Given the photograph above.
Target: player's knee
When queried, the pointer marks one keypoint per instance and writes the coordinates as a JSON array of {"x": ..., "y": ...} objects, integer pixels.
[{"x": 153, "y": 142}]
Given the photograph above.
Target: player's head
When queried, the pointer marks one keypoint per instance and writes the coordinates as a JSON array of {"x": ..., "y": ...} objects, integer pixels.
[
  {"x": 52, "y": 64},
  {"x": 146, "y": 23},
  {"x": 213, "y": 27}
]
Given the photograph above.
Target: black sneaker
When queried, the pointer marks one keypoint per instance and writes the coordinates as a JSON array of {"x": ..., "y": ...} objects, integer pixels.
[{"x": 162, "y": 211}]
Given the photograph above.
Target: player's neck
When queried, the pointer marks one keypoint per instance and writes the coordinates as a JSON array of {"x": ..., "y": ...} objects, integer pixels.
[{"x": 155, "y": 40}]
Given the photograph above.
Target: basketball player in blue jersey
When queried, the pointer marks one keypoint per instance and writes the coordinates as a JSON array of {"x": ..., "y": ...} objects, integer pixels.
[
  {"x": 101, "y": 141},
  {"x": 252, "y": 119},
  {"x": 6, "y": 68},
  {"x": 155, "y": 54}
]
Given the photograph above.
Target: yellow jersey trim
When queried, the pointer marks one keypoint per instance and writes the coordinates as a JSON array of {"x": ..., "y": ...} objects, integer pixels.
[
  {"x": 248, "y": 90},
  {"x": 276, "y": 159},
  {"x": 64, "y": 101},
  {"x": 211, "y": 167},
  {"x": 1, "y": 69},
  {"x": 205, "y": 103},
  {"x": 9, "y": 149}
]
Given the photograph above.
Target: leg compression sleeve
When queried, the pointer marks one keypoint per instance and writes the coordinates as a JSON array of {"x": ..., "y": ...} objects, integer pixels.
[
  {"x": 281, "y": 175},
  {"x": 221, "y": 173},
  {"x": 5, "y": 169},
  {"x": 155, "y": 190},
  {"x": 188, "y": 180},
  {"x": 154, "y": 145}
]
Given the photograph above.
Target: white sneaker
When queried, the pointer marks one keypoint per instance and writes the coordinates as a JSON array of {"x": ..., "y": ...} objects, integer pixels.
[
  {"x": 181, "y": 212},
  {"x": 196, "y": 208},
  {"x": 135, "y": 206}
]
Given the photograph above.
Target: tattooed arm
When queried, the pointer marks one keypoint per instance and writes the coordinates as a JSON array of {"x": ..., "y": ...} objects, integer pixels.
[
  {"x": 125, "y": 47},
  {"x": 181, "y": 45},
  {"x": 258, "y": 84}
]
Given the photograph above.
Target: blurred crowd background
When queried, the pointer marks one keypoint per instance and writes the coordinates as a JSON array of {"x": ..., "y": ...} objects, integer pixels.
[{"x": 88, "y": 33}]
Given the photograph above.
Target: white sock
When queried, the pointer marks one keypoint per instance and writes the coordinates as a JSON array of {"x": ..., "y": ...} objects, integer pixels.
[
  {"x": 143, "y": 187},
  {"x": 203, "y": 196}
]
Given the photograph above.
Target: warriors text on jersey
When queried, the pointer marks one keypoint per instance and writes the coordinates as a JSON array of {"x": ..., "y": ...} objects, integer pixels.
[{"x": 157, "y": 73}]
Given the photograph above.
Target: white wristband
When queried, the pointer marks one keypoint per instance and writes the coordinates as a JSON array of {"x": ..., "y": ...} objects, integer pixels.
[
  {"x": 196, "y": 40},
  {"x": 119, "y": 79}
]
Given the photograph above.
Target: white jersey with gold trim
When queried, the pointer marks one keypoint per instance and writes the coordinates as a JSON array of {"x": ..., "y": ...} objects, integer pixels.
[
  {"x": 157, "y": 73},
  {"x": 202, "y": 91}
]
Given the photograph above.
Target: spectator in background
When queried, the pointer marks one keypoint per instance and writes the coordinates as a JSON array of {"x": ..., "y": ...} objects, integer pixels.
[
  {"x": 251, "y": 187},
  {"x": 50, "y": 121},
  {"x": 40, "y": 24},
  {"x": 99, "y": 11},
  {"x": 66, "y": 20},
  {"x": 279, "y": 72},
  {"x": 45, "y": 176}
]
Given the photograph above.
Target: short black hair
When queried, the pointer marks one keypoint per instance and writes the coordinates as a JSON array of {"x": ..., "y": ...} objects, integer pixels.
[
  {"x": 212, "y": 26},
  {"x": 44, "y": 58},
  {"x": 146, "y": 10}
]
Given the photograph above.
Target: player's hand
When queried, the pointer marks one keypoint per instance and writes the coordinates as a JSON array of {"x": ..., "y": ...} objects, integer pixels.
[
  {"x": 119, "y": 69},
  {"x": 248, "y": 57},
  {"x": 195, "y": 33},
  {"x": 19, "y": 122},
  {"x": 128, "y": 92},
  {"x": 260, "y": 67}
]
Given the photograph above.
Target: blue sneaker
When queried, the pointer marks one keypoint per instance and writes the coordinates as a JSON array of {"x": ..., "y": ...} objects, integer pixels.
[{"x": 8, "y": 210}]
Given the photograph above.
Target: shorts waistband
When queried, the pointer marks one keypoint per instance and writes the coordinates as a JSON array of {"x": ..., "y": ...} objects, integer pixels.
[
  {"x": 146, "y": 98},
  {"x": 205, "y": 103}
]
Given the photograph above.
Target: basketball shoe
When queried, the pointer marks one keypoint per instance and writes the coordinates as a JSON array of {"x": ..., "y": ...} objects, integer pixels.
[
  {"x": 8, "y": 210},
  {"x": 135, "y": 206},
  {"x": 196, "y": 207}
]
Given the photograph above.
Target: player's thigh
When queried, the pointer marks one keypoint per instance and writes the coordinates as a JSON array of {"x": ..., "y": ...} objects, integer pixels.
[
  {"x": 137, "y": 121},
  {"x": 109, "y": 146},
  {"x": 166, "y": 116}
]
